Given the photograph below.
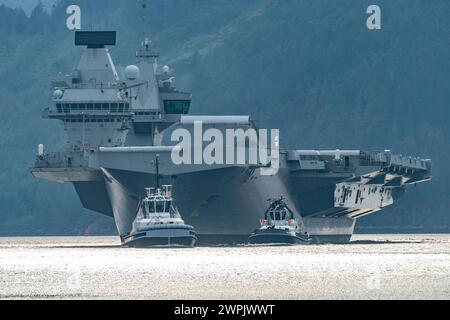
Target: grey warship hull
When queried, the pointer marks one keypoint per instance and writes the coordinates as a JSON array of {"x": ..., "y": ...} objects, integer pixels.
[{"x": 118, "y": 121}]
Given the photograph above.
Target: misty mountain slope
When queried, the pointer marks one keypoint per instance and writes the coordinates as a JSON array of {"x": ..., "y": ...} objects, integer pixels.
[
  {"x": 310, "y": 68},
  {"x": 28, "y": 5}
]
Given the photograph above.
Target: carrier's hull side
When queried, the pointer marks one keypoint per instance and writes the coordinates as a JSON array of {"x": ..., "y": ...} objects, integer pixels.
[
  {"x": 224, "y": 205},
  {"x": 217, "y": 202}
]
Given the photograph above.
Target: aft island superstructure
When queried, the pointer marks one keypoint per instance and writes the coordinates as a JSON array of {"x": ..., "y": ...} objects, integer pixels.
[{"x": 117, "y": 121}]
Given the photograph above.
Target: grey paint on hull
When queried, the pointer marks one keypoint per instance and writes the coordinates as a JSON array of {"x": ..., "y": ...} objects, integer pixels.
[
  {"x": 94, "y": 196},
  {"x": 228, "y": 201},
  {"x": 224, "y": 201}
]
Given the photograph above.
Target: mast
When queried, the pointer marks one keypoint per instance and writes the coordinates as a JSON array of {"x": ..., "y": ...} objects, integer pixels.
[
  {"x": 157, "y": 171},
  {"x": 144, "y": 17}
]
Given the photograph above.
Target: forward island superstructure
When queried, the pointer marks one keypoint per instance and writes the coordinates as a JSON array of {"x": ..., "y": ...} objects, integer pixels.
[{"x": 118, "y": 120}]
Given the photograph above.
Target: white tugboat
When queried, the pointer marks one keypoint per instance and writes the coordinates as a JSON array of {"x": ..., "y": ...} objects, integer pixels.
[
  {"x": 279, "y": 226},
  {"x": 158, "y": 222}
]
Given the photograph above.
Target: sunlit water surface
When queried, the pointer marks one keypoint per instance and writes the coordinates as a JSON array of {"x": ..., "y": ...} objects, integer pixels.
[{"x": 373, "y": 266}]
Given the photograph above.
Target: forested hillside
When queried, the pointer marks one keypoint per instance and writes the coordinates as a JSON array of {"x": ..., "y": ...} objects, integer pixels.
[{"x": 311, "y": 68}]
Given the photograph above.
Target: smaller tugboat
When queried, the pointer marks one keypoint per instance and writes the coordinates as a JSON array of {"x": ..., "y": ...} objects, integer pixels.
[
  {"x": 158, "y": 222},
  {"x": 279, "y": 227}
]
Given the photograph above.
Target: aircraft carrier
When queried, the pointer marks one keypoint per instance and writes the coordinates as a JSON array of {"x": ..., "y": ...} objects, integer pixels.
[{"x": 119, "y": 120}]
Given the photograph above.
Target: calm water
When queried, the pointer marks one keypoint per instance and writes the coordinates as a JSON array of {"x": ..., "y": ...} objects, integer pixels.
[{"x": 379, "y": 267}]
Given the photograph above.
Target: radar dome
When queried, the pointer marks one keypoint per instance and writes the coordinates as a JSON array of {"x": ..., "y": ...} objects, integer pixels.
[
  {"x": 58, "y": 94},
  {"x": 166, "y": 69},
  {"x": 132, "y": 72}
]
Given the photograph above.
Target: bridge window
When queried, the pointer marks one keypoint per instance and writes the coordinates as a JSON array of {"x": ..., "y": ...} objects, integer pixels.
[
  {"x": 74, "y": 107},
  {"x": 278, "y": 215},
  {"x": 177, "y": 106},
  {"x": 160, "y": 206},
  {"x": 150, "y": 206}
]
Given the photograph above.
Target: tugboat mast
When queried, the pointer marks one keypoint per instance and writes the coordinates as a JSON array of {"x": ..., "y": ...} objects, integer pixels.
[{"x": 157, "y": 172}]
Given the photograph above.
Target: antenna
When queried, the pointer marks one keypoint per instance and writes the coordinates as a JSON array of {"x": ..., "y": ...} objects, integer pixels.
[
  {"x": 145, "y": 51},
  {"x": 144, "y": 17}
]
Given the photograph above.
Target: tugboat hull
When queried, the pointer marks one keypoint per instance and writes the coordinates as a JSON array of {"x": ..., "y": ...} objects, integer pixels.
[
  {"x": 162, "y": 237},
  {"x": 274, "y": 236}
]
